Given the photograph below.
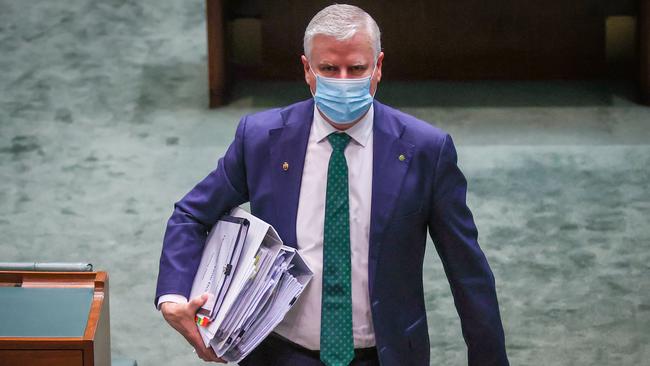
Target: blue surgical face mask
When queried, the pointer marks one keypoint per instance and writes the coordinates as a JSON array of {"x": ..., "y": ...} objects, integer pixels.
[{"x": 343, "y": 101}]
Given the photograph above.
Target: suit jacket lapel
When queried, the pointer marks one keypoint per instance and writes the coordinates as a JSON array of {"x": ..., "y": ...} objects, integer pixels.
[
  {"x": 288, "y": 145},
  {"x": 391, "y": 158}
]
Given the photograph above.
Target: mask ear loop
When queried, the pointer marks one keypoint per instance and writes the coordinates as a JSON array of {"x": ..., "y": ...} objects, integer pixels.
[
  {"x": 373, "y": 75},
  {"x": 311, "y": 69}
]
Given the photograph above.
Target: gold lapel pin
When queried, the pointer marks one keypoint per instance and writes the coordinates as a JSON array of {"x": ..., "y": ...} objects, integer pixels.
[
  {"x": 402, "y": 157},
  {"x": 285, "y": 166}
]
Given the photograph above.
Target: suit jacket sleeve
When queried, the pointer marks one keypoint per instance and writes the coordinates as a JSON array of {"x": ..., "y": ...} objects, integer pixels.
[
  {"x": 454, "y": 233},
  {"x": 196, "y": 213}
]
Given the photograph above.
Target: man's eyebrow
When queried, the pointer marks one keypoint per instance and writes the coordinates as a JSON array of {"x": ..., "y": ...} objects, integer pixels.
[{"x": 359, "y": 63}]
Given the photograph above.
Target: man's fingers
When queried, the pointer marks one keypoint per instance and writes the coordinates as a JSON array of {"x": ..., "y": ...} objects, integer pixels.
[
  {"x": 199, "y": 348},
  {"x": 186, "y": 326},
  {"x": 181, "y": 318},
  {"x": 204, "y": 353},
  {"x": 197, "y": 302},
  {"x": 207, "y": 354}
]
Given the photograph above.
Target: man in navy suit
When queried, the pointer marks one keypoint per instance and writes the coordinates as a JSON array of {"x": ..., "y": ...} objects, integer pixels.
[{"x": 354, "y": 185}]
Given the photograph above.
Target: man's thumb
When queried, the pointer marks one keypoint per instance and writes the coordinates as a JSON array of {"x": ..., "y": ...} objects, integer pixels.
[{"x": 197, "y": 302}]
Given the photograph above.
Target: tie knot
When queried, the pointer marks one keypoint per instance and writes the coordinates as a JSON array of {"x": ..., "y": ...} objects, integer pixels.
[{"x": 338, "y": 141}]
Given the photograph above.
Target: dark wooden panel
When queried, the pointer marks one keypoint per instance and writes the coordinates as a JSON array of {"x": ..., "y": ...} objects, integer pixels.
[
  {"x": 216, "y": 51},
  {"x": 463, "y": 39},
  {"x": 644, "y": 50},
  {"x": 619, "y": 7},
  {"x": 41, "y": 358}
]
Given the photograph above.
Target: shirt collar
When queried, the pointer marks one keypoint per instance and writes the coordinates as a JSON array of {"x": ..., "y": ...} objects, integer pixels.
[{"x": 360, "y": 132}]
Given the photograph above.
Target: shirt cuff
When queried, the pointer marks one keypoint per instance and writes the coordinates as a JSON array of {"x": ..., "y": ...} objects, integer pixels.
[{"x": 179, "y": 299}]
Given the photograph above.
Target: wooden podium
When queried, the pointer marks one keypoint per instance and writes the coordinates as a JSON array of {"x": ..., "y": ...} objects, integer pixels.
[{"x": 54, "y": 319}]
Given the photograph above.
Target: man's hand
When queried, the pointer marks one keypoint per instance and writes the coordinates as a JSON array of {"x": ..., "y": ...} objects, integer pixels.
[{"x": 181, "y": 318}]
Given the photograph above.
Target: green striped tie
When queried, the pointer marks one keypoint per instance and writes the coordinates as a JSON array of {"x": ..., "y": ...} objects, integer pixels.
[{"x": 336, "y": 341}]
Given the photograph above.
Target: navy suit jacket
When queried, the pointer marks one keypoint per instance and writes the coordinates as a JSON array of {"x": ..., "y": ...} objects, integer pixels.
[{"x": 426, "y": 190}]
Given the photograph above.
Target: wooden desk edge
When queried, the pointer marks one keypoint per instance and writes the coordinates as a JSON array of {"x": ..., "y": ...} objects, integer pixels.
[{"x": 97, "y": 324}]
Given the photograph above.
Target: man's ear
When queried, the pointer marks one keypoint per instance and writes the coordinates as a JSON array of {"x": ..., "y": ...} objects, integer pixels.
[
  {"x": 306, "y": 68},
  {"x": 309, "y": 76}
]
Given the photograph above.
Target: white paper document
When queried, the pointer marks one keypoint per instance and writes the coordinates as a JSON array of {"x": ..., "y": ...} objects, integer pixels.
[
  {"x": 220, "y": 256},
  {"x": 252, "y": 279}
]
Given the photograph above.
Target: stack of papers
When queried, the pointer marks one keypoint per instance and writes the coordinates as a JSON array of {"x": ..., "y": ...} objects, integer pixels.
[{"x": 252, "y": 280}]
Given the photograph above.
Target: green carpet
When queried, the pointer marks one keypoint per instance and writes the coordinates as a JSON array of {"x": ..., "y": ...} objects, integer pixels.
[{"x": 103, "y": 125}]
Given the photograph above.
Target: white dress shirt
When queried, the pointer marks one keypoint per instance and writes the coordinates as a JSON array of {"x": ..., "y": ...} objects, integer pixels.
[{"x": 301, "y": 325}]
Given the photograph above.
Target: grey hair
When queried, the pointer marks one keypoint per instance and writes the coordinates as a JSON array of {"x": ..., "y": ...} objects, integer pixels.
[{"x": 342, "y": 22}]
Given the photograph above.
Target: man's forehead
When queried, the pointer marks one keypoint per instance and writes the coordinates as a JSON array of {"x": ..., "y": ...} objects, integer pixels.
[
  {"x": 359, "y": 37},
  {"x": 357, "y": 48}
]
